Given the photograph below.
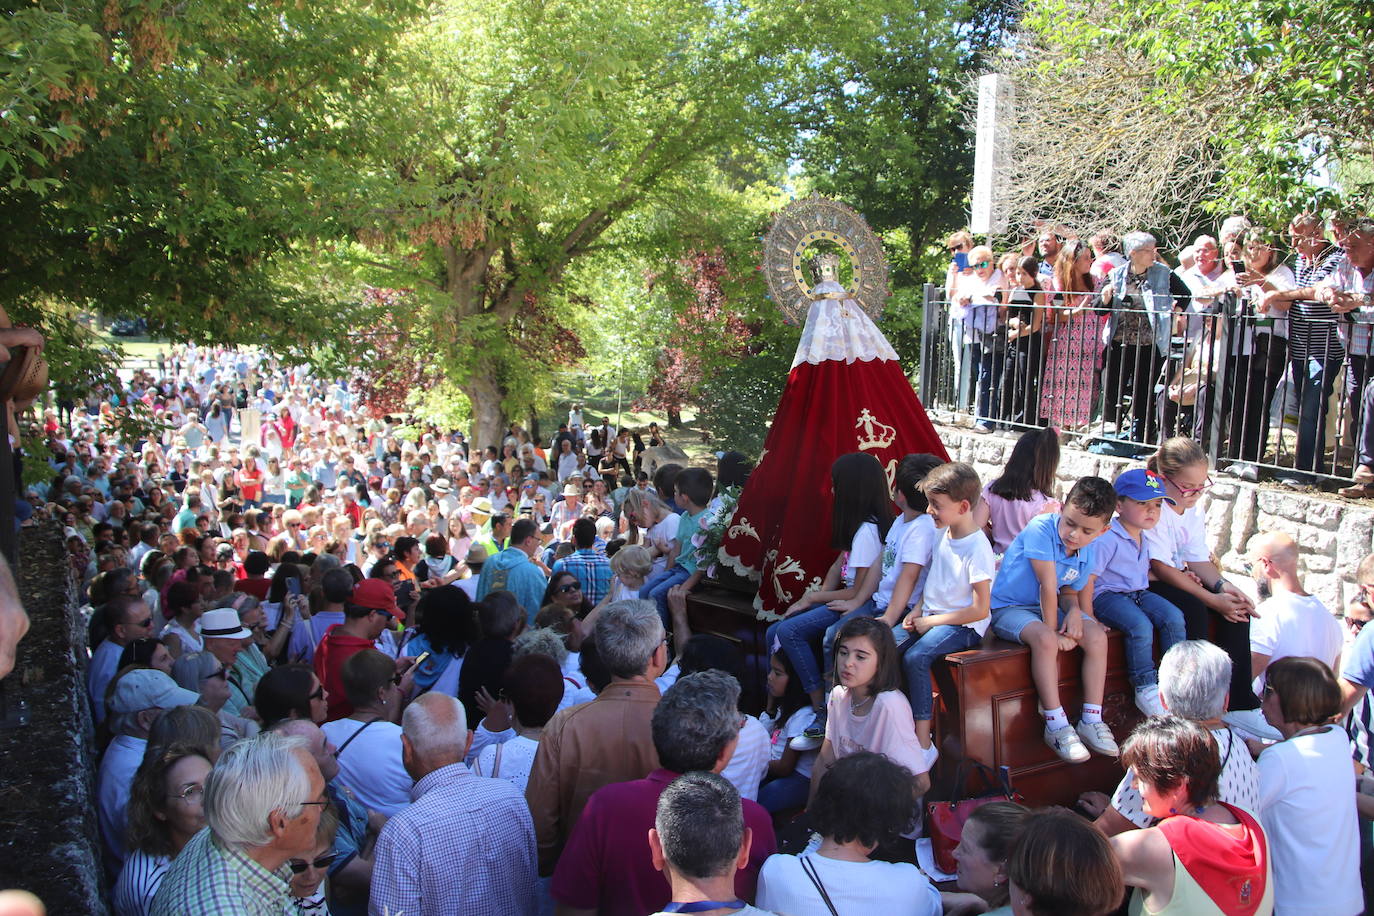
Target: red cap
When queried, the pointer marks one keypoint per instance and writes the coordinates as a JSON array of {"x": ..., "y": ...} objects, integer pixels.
[{"x": 377, "y": 595}]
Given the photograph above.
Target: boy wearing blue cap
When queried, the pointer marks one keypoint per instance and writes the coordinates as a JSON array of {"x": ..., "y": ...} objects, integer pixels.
[
  {"x": 1043, "y": 599},
  {"x": 1122, "y": 599}
]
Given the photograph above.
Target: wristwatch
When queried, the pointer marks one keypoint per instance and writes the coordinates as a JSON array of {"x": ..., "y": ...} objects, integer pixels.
[{"x": 1218, "y": 586}]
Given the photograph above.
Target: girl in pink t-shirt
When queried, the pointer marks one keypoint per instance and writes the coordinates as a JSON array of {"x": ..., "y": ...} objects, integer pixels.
[
  {"x": 1025, "y": 488},
  {"x": 867, "y": 709}
]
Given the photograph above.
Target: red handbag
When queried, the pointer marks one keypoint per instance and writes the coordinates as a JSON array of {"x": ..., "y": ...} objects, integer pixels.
[{"x": 945, "y": 820}]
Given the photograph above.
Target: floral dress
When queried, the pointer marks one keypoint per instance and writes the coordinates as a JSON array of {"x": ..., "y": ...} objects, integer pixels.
[{"x": 1069, "y": 388}]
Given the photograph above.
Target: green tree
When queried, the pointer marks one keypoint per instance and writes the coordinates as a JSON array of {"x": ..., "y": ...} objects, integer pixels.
[
  {"x": 181, "y": 161},
  {"x": 1139, "y": 114},
  {"x": 529, "y": 135},
  {"x": 889, "y": 135}
]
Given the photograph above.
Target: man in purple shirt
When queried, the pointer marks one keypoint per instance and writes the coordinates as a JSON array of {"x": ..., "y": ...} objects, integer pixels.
[{"x": 607, "y": 867}]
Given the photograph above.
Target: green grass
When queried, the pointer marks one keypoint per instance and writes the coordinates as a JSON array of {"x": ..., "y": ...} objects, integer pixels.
[{"x": 136, "y": 347}]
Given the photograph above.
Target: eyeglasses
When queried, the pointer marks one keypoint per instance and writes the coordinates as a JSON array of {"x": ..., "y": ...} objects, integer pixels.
[
  {"x": 145, "y": 623},
  {"x": 222, "y": 674},
  {"x": 318, "y": 694},
  {"x": 1267, "y": 692},
  {"x": 299, "y": 867},
  {"x": 570, "y": 587},
  {"x": 1189, "y": 491},
  {"x": 192, "y": 792}
]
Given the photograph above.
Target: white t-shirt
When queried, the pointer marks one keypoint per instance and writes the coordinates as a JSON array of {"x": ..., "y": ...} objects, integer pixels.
[
  {"x": 749, "y": 762},
  {"x": 889, "y": 888},
  {"x": 955, "y": 565},
  {"x": 665, "y": 531},
  {"x": 1179, "y": 539},
  {"x": 906, "y": 542},
  {"x": 517, "y": 759},
  {"x": 1238, "y": 784},
  {"x": 864, "y": 551},
  {"x": 1307, "y": 792},
  {"x": 371, "y": 766},
  {"x": 1289, "y": 624},
  {"x": 781, "y": 735}
]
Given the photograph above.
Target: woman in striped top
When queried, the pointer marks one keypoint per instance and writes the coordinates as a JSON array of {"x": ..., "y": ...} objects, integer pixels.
[{"x": 164, "y": 812}]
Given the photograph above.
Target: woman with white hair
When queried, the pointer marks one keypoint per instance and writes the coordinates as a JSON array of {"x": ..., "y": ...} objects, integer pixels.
[
  {"x": 978, "y": 293},
  {"x": 1143, "y": 296},
  {"x": 1194, "y": 683},
  {"x": 203, "y": 673}
]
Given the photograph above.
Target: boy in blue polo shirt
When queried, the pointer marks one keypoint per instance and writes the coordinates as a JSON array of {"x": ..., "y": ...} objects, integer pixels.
[
  {"x": 1043, "y": 598},
  {"x": 1121, "y": 595}
]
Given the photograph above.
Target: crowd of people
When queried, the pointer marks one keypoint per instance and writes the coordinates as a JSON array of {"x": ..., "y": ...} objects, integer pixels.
[
  {"x": 343, "y": 665},
  {"x": 1100, "y": 335}
]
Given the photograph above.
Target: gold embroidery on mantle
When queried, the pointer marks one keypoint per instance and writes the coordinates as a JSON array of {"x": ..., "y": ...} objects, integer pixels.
[{"x": 876, "y": 434}]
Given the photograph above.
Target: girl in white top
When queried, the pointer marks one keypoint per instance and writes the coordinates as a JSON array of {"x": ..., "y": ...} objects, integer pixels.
[
  {"x": 1307, "y": 793},
  {"x": 856, "y": 809},
  {"x": 533, "y": 685},
  {"x": 789, "y": 714},
  {"x": 1182, "y": 572},
  {"x": 861, "y": 514}
]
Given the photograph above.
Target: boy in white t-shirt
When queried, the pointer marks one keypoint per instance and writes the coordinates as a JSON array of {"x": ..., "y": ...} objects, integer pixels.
[
  {"x": 1291, "y": 621},
  {"x": 954, "y": 612}
]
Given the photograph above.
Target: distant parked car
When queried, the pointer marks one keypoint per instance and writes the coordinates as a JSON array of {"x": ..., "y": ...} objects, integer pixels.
[{"x": 129, "y": 327}]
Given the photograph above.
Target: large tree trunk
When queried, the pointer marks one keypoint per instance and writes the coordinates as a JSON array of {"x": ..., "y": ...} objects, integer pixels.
[{"x": 488, "y": 419}]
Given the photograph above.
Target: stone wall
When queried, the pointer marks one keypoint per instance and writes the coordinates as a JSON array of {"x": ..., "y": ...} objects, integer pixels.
[
  {"x": 1333, "y": 534},
  {"x": 48, "y": 841}
]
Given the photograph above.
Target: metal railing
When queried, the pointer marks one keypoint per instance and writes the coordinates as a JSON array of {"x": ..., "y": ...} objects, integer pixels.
[{"x": 1119, "y": 378}]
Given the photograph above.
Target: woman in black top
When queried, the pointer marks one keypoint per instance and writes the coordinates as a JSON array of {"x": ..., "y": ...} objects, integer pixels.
[{"x": 1025, "y": 304}]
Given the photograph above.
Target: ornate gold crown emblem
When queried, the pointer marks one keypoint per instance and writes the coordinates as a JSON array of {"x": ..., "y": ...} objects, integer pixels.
[{"x": 876, "y": 435}]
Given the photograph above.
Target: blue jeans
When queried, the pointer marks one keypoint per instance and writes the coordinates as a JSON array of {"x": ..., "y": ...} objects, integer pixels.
[
  {"x": 1138, "y": 615},
  {"x": 936, "y": 643},
  {"x": 798, "y": 634},
  {"x": 785, "y": 793},
  {"x": 656, "y": 590},
  {"x": 1313, "y": 381}
]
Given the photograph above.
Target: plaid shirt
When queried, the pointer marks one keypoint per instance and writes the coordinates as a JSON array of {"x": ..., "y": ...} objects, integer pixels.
[
  {"x": 210, "y": 879},
  {"x": 465, "y": 845},
  {"x": 592, "y": 569}
]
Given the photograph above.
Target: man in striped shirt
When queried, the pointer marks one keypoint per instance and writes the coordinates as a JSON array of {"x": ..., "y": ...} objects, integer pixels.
[{"x": 1315, "y": 350}]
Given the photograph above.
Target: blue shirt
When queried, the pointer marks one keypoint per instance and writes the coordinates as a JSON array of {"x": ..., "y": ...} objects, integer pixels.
[
  {"x": 1016, "y": 584},
  {"x": 592, "y": 570},
  {"x": 1122, "y": 564}
]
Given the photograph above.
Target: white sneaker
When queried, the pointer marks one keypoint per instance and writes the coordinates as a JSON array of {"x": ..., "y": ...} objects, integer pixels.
[
  {"x": 1147, "y": 700},
  {"x": 1098, "y": 736},
  {"x": 931, "y": 754},
  {"x": 1066, "y": 744},
  {"x": 1252, "y": 723}
]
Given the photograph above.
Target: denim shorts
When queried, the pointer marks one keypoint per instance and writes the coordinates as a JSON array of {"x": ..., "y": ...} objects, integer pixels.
[{"x": 1008, "y": 622}]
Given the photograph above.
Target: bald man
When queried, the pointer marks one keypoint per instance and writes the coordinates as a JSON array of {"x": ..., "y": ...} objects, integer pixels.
[{"x": 1290, "y": 621}]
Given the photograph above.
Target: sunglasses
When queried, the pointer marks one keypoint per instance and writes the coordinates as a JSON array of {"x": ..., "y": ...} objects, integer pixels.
[
  {"x": 387, "y": 614},
  {"x": 318, "y": 694},
  {"x": 983, "y": 264},
  {"x": 145, "y": 623},
  {"x": 1355, "y": 623},
  {"x": 571, "y": 587},
  {"x": 298, "y": 867},
  {"x": 223, "y": 675}
]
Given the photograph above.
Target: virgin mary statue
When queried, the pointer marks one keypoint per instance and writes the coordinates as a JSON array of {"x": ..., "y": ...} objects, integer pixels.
[{"x": 846, "y": 392}]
